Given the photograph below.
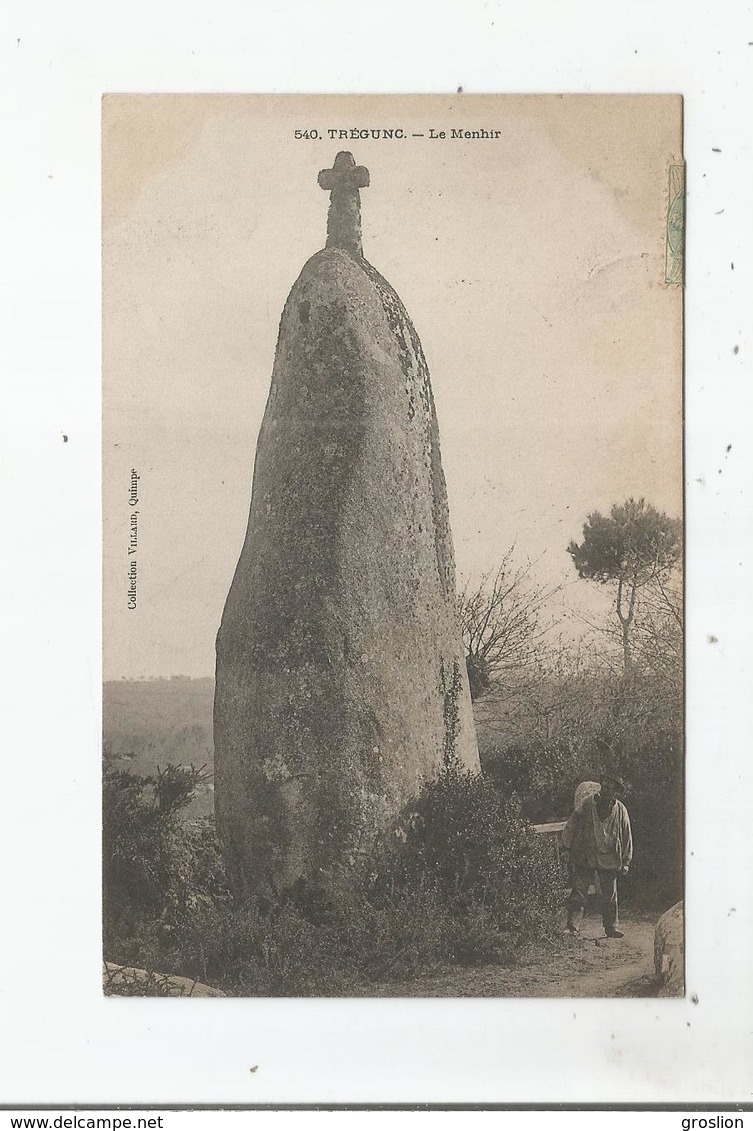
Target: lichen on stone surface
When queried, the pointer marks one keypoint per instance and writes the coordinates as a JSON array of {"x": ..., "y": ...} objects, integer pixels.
[
  {"x": 340, "y": 675},
  {"x": 452, "y": 688},
  {"x": 418, "y": 385}
]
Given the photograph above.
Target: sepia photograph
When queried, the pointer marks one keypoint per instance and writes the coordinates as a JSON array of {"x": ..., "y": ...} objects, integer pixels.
[{"x": 393, "y": 559}]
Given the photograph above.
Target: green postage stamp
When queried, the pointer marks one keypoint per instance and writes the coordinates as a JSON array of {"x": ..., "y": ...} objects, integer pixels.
[{"x": 674, "y": 268}]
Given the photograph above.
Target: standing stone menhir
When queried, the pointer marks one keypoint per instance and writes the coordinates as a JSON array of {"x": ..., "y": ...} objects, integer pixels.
[{"x": 341, "y": 683}]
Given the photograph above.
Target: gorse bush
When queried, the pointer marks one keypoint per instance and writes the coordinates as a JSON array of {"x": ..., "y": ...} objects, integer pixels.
[
  {"x": 472, "y": 845},
  {"x": 280, "y": 952},
  {"x": 157, "y": 865},
  {"x": 461, "y": 879},
  {"x": 542, "y": 774}
]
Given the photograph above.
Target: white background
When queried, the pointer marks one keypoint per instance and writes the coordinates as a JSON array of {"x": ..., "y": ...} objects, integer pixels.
[{"x": 60, "y": 1041}]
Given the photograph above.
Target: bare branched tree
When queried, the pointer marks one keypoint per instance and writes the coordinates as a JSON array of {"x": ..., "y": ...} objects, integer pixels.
[
  {"x": 659, "y": 636},
  {"x": 502, "y": 625}
]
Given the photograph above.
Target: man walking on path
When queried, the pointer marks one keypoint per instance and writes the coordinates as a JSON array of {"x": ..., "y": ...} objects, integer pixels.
[{"x": 597, "y": 838}]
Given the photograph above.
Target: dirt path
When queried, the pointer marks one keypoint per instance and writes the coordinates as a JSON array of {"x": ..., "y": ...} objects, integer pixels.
[{"x": 591, "y": 966}]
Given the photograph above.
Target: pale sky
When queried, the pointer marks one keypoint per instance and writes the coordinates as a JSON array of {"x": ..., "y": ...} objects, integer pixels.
[{"x": 532, "y": 266}]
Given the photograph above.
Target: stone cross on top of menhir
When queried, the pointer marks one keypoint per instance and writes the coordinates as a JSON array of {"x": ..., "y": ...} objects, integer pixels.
[
  {"x": 341, "y": 683},
  {"x": 343, "y": 181}
]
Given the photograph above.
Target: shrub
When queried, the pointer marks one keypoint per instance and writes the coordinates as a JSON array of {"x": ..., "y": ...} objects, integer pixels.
[
  {"x": 471, "y": 843},
  {"x": 157, "y": 865},
  {"x": 462, "y": 880},
  {"x": 388, "y": 935},
  {"x": 542, "y": 774},
  {"x": 652, "y": 762}
]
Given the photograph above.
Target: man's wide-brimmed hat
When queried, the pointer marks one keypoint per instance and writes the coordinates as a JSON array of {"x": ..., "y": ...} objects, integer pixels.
[{"x": 613, "y": 776}]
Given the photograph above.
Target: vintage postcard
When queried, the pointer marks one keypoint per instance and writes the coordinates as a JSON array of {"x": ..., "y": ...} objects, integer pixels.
[{"x": 393, "y": 546}]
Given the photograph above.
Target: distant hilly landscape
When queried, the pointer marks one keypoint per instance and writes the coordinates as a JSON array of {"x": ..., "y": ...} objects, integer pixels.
[{"x": 150, "y": 723}]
